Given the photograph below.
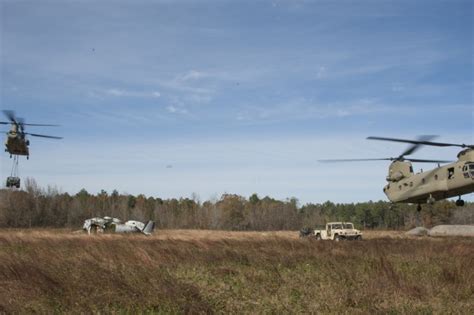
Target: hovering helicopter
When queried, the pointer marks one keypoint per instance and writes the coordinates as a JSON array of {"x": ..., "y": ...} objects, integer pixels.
[
  {"x": 450, "y": 180},
  {"x": 16, "y": 142}
]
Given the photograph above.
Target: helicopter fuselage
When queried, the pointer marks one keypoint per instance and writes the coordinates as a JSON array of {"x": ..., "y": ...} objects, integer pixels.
[
  {"x": 16, "y": 144},
  {"x": 450, "y": 180}
]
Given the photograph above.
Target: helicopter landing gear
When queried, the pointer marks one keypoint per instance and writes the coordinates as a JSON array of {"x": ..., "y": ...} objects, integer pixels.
[
  {"x": 430, "y": 200},
  {"x": 418, "y": 215},
  {"x": 460, "y": 202}
]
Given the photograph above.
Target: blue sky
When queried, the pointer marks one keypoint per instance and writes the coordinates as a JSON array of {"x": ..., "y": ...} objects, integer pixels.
[{"x": 236, "y": 96}]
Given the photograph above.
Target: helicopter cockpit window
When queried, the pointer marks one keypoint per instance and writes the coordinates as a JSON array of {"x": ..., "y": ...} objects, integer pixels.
[{"x": 468, "y": 170}]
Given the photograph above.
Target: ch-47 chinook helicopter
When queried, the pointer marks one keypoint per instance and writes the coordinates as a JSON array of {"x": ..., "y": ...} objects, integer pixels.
[
  {"x": 450, "y": 180},
  {"x": 17, "y": 143}
]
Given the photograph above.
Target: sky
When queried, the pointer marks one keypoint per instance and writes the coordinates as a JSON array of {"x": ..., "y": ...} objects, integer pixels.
[{"x": 199, "y": 98}]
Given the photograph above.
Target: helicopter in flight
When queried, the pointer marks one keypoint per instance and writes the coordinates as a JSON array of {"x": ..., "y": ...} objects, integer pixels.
[
  {"x": 17, "y": 142},
  {"x": 404, "y": 186}
]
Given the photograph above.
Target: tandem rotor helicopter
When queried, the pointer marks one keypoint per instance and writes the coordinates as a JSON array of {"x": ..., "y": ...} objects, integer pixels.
[
  {"x": 450, "y": 180},
  {"x": 17, "y": 143}
]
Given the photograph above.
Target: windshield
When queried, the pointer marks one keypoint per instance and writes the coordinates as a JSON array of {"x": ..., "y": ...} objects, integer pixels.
[
  {"x": 337, "y": 226},
  {"x": 348, "y": 226}
]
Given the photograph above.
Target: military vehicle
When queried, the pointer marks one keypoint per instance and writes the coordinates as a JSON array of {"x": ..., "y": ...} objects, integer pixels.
[
  {"x": 337, "y": 231},
  {"x": 13, "y": 181},
  {"x": 114, "y": 225},
  {"x": 404, "y": 186}
]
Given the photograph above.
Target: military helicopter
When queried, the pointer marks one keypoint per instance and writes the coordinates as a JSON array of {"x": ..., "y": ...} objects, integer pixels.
[
  {"x": 16, "y": 142},
  {"x": 450, "y": 180}
]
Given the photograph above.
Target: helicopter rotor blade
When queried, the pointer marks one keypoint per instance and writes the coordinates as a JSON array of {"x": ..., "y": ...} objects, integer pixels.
[
  {"x": 428, "y": 161},
  {"x": 414, "y": 147},
  {"x": 10, "y": 115},
  {"x": 5, "y": 123},
  {"x": 42, "y": 136},
  {"x": 21, "y": 124},
  {"x": 423, "y": 142},
  {"x": 43, "y": 125},
  {"x": 355, "y": 160},
  {"x": 385, "y": 159}
]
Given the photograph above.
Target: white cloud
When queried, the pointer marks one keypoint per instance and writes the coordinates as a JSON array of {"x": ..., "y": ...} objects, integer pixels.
[
  {"x": 321, "y": 73},
  {"x": 193, "y": 75},
  {"x": 130, "y": 93},
  {"x": 176, "y": 110},
  {"x": 398, "y": 87},
  {"x": 115, "y": 92},
  {"x": 305, "y": 109}
]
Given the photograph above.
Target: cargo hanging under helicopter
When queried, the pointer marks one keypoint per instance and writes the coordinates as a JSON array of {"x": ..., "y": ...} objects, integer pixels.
[
  {"x": 17, "y": 143},
  {"x": 404, "y": 186}
]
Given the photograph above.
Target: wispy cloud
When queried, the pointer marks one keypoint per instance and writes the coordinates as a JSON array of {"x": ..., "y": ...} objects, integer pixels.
[
  {"x": 193, "y": 75},
  {"x": 176, "y": 110},
  {"x": 305, "y": 109},
  {"x": 129, "y": 93}
]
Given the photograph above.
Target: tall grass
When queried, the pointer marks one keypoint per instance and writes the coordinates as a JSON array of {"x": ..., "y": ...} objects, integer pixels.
[{"x": 48, "y": 271}]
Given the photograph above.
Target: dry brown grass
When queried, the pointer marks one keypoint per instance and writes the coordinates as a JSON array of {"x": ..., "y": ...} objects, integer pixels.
[{"x": 188, "y": 271}]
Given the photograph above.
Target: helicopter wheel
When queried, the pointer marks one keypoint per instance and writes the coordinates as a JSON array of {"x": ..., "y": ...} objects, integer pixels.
[
  {"x": 460, "y": 202},
  {"x": 418, "y": 208}
]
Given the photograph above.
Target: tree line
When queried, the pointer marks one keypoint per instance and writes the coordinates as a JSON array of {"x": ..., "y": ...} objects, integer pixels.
[{"x": 38, "y": 207}]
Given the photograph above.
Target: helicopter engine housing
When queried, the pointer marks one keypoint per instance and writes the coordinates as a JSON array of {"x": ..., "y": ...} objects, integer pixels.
[{"x": 399, "y": 170}]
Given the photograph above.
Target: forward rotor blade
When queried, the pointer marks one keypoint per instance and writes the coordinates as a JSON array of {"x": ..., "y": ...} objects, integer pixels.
[
  {"x": 21, "y": 122},
  {"x": 44, "y": 125},
  {"x": 436, "y": 144},
  {"x": 355, "y": 160},
  {"x": 4, "y": 123},
  {"x": 42, "y": 136},
  {"x": 427, "y": 161},
  {"x": 10, "y": 115}
]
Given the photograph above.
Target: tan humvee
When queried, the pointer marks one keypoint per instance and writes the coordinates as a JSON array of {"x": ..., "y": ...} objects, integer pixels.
[{"x": 336, "y": 231}]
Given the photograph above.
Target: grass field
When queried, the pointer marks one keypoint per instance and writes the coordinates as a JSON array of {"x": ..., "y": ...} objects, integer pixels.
[{"x": 186, "y": 271}]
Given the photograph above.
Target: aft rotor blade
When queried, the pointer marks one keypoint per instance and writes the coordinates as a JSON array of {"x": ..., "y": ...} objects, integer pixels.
[
  {"x": 436, "y": 144},
  {"x": 427, "y": 161},
  {"x": 355, "y": 160},
  {"x": 42, "y": 136},
  {"x": 414, "y": 147}
]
